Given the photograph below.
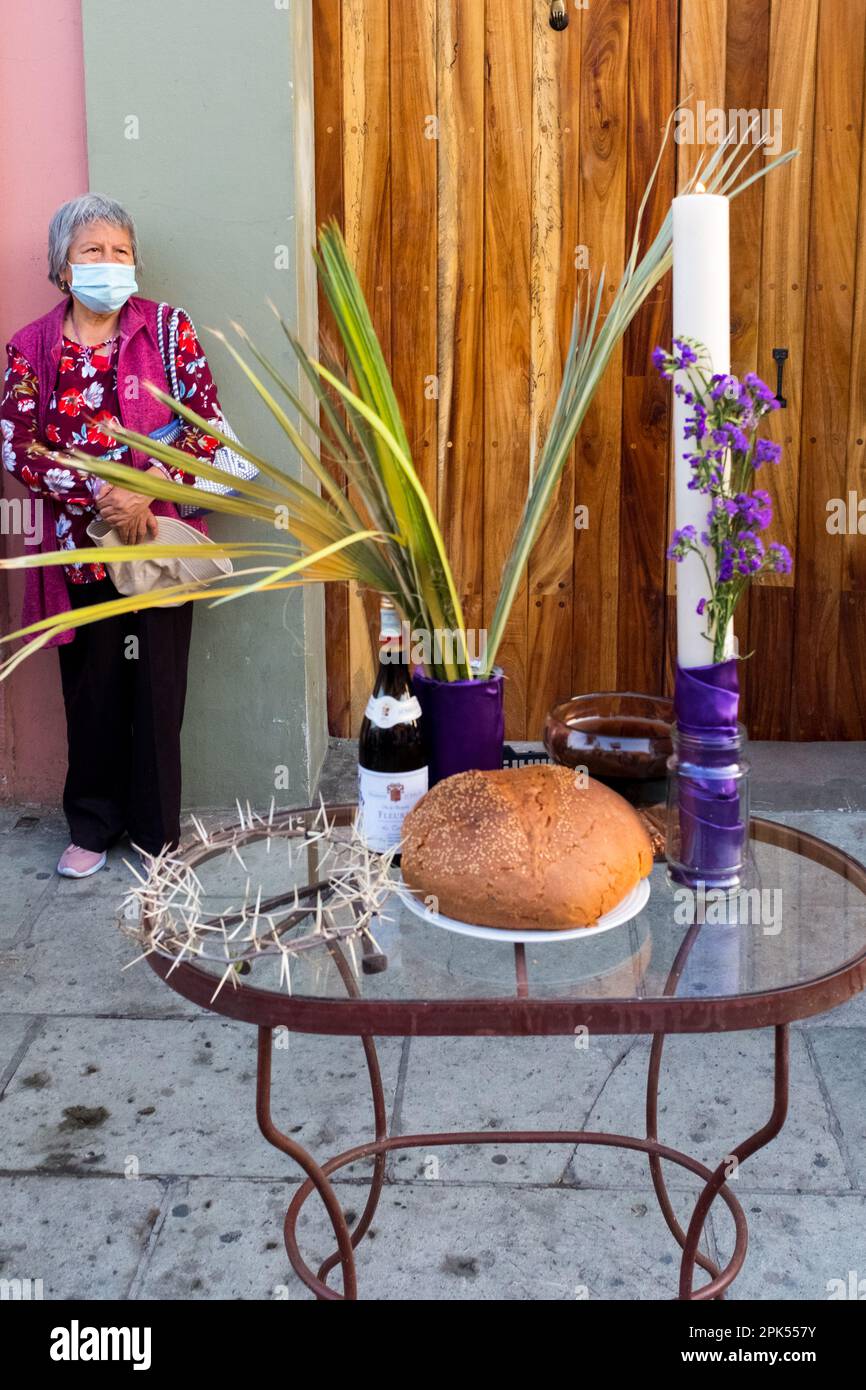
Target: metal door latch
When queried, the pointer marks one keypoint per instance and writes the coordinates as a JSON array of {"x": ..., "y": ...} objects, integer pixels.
[
  {"x": 558, "y": 14},
  {"x": 780, "y": 357}
]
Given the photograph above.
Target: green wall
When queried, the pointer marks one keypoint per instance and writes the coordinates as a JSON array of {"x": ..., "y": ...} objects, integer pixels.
[{"x": 199, "y": 120}]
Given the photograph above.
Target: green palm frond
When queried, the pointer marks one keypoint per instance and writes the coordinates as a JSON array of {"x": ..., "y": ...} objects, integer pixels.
[
  {"x": 321, "y": 566},
  {"x": 375, "y": 415}
]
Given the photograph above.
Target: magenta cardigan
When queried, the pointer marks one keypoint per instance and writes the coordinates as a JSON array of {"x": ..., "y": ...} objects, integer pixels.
[{"x": 139, "y": 357}]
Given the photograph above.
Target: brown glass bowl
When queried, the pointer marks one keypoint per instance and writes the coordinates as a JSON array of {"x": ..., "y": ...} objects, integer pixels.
[{"x": 613, "y": 735}]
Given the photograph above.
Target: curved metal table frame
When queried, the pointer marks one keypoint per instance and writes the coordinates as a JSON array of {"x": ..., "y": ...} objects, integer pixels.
[{"x": 520, "y": 1016}]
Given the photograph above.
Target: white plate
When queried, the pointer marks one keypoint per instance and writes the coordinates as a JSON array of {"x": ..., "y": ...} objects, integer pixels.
[{"x": 631, "y": 905}]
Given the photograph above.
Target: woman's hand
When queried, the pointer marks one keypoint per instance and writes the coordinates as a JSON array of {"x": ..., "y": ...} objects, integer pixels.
[
  {"x": 139, "y": 528},
  {"x": 128, "y": 512}
]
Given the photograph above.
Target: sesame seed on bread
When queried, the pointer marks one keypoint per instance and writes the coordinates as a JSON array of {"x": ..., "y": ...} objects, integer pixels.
[{"x": 534, "y": 847}]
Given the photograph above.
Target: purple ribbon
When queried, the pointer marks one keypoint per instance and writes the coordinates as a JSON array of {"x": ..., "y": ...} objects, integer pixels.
[
  {"x": 464, "y": 723},
  {"x": 712, "y": 832}
]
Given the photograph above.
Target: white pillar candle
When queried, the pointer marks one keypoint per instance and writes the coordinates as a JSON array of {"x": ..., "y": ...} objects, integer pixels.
[{"x": 701, "y": 310}]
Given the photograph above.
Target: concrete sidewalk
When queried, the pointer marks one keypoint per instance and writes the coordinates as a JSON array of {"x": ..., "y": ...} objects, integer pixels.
[{"x": 131, "y": 1165}]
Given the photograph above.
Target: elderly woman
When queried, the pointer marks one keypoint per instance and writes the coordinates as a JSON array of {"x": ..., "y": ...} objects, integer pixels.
[{"x": 72, "y": 374}]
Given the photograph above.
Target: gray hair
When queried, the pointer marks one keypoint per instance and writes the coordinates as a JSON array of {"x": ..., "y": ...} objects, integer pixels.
[{"x": 80, "y": 212}]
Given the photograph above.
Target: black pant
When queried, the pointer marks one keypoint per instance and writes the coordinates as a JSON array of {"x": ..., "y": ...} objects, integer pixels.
[{"x": 124, "y": 688}]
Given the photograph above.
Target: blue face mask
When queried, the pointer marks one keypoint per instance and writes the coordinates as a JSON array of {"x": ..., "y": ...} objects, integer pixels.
[{"x": 103, "y": 286}]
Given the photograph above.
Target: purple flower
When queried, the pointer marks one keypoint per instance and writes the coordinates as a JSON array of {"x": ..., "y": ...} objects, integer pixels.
[
  {"x": 779, "y": 558},
  {"x": 682, "y": 357},
  {"x": 754, "y": 509},
  {"x": 685, "y": 354},
  {"x": 696, "y": 425},
  {"x": 750, "y": 553},
  {"x": 726, "y": 563},
  {"x": 766, "y": 452},
  {"x": 765, "y": 506},
  {"x": 760, "y": 391},
  {"x": 721, "y": 429},
  {"x": 731, "y": 436},
  {"x": 681, "y": 542},
  {"x": 723, "y": 385}
]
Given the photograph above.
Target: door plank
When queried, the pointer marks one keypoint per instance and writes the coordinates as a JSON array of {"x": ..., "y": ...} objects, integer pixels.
[
  {"x": 604, "y": 140},
  {"x": 367, "y": 205},
  {"x": 747, "y": 57},
  {"x": 414, "y": 259},
  {"x": 851, "y": 688},
  {"x": 827, "y": 393},
  {"x": 328, "y": 114},
  {"x": 646, "y": 403},
  {"x": 782, "y": 323},
  {"x": 554, "y": 256},
  {"x": 460, "y": 308},
  {"x": 507, "y": 221}
]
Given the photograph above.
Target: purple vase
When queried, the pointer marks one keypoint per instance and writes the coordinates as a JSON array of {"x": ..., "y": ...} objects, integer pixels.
[
  {"x": 464, "y": 723},
  {"x": 708, "y": 790}
]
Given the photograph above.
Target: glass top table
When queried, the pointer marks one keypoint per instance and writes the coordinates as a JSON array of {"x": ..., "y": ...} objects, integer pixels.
[{"x": 793, "y": 945}]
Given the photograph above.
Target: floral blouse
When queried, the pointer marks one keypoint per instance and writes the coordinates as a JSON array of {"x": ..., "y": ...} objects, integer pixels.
[{"x": 83, "y": 406}]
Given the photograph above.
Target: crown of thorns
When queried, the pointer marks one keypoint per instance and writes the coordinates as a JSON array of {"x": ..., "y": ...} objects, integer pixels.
[{"x": 165, "y": 909}]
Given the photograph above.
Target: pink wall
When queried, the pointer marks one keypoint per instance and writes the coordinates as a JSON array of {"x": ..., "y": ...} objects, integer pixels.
[{"x": 43, "y": 161}]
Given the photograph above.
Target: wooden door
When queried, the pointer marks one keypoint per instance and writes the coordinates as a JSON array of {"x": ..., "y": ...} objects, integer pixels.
[{"x": 482, "y": 165}]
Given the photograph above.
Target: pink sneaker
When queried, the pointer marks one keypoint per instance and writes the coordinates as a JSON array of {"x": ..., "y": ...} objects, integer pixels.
[{"x": 76, "y": 862}]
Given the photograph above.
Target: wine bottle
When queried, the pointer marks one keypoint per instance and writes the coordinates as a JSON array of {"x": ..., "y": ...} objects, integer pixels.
[{"x": 392, "y": 761}]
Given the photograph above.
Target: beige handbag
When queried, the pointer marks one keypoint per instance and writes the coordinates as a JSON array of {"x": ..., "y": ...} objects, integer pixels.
[{"x": 143, "y": 576}]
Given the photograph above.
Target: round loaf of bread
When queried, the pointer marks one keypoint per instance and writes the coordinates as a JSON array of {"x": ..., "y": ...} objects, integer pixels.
[{"x": 531, "y": 848}]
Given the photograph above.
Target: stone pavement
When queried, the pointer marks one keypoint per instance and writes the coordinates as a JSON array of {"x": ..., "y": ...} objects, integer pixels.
[{"x": 131, "y": 1165}]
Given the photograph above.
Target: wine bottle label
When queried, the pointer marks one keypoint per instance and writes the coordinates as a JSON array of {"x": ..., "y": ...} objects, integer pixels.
[
  {"x": 384, "y": 801},
  {"x": 384, "y": 711}
]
